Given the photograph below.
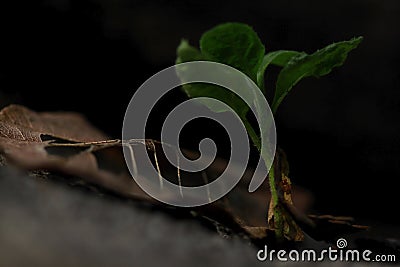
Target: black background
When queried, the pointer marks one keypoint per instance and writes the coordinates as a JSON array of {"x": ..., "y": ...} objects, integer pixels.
[{"x": 341, "y": 132}]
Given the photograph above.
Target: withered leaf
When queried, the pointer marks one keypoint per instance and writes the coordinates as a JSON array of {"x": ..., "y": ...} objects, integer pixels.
[
  {"x": 21, "y": 124},
  {"x": 65, "y": 142}
]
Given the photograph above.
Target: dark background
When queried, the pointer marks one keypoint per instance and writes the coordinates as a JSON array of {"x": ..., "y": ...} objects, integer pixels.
[{"x": 340, "y": 132}]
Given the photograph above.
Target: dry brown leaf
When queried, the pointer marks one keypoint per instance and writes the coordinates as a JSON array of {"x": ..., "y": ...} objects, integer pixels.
[
  {"x": 63, "y": 142},
  {"x": 21, "y": 124},
  {"x": 67, "y": 143}
]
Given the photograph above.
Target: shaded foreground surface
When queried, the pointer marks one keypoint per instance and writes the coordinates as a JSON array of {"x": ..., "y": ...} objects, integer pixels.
[{"x": 49, "y": 224}]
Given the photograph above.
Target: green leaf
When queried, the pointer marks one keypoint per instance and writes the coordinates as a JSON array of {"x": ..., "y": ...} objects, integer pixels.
[
  {"x": 318, "y": 64},
  {"x": 234, "y": 44},
  {"x": 279, "y": 58},
  {"x": 213, "y": 91},
  {"x": 237, "y": 45},
  {"x": 187, "y": 53}
]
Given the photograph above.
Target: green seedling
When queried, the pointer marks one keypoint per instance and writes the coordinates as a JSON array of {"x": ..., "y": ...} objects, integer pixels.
[{"x": 238, "y": 45}]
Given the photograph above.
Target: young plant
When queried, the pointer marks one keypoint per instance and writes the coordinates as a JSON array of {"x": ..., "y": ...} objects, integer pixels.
[{"x": 238, "y": 45}]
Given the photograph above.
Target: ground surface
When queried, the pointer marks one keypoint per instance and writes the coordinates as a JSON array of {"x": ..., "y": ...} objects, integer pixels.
[{"x": 51, "y": 224}]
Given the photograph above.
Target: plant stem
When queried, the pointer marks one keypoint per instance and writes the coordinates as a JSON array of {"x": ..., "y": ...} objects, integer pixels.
[
  {"x": 275, "y": 204},
  {"x": 253, "y": 135},
  {"x": 278, "y": 225}
]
